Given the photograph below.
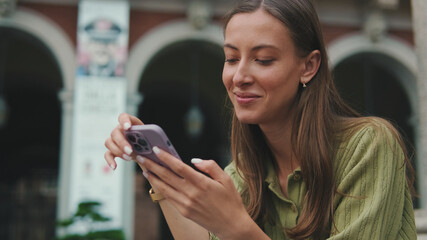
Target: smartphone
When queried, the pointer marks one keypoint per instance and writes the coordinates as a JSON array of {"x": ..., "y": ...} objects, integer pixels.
[{"x": 144, "y": 137}]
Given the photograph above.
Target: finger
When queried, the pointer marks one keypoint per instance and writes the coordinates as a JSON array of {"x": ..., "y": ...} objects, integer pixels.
[
  {"x": 115, "y": 150},
  {"x": 192, "y": 179},
  {"x": 109, "y": 157},
  {"x": 119, "y": 139},
  {"x": 139, "y": 161},
  {"x": 161, "y": 172},
  {"x": 165, "y": 189},
  {"x": 126, "y": 121},
  {"x": 211, "y": 168},
  {"x": 177, "y": 166},
  {"x": 165, "y": 181}
]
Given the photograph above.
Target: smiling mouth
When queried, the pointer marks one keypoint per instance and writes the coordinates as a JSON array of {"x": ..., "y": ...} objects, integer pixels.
[{"x": 245, "y": 98}]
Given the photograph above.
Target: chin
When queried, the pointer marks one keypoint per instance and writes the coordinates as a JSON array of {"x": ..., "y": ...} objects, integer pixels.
[{"x": 247, "y": 118}]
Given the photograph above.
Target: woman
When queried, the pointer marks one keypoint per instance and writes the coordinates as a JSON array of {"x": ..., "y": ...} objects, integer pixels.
[{"x": 304, "y": 164}]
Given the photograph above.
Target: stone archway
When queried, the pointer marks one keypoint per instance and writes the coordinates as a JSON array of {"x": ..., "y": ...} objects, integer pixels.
[
  {"x": 153, "y": 42},
  {"x": 163, "y": 42},
  {"x": 63, "y": 52},
  {"x": 350, "y": 45}
]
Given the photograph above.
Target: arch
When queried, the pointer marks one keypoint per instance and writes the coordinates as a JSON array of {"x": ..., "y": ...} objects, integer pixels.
[
  {"x": 157, "y": 39},
  {"x": 51, "y": 35},
  {"x": 64, "y": 53},
  {"x": 152, "y": 43},
  {"x": 403, "y": 58}
]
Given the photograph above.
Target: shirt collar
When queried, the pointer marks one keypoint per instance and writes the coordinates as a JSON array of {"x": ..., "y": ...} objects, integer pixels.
[
  {"x": 271, "y": 176},
  {"x": 272, "y": 180}
]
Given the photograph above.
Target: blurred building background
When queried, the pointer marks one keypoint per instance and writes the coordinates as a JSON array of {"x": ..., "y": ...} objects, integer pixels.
[{"x": 376, "y": 49}]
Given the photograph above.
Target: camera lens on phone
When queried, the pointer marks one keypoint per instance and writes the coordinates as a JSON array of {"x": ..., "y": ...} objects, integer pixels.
[
  {"x": 142, "y": 142},
  {"x": 137, "y": 147},
  {"x": 131, "y": 138}
]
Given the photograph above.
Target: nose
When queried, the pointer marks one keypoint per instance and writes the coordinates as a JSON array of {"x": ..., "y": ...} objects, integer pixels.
[{"x": 243, "y": 75}]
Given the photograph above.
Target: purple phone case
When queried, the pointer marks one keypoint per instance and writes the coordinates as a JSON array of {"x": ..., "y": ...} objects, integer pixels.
[{"x": 144, "y": 137}]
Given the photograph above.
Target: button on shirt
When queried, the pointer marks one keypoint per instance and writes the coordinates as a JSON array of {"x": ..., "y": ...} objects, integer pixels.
[{"x": 289, "y": 208}]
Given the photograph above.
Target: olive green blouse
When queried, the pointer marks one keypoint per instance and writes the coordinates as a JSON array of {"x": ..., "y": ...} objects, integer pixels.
[{"x": 370, "y": 164}]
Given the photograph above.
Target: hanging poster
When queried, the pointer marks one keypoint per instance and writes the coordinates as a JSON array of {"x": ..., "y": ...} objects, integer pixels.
[{"x": 99, "y": 98}]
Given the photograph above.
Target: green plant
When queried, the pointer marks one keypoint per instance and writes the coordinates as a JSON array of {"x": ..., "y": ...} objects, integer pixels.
[{"x": 88, "y": 213}]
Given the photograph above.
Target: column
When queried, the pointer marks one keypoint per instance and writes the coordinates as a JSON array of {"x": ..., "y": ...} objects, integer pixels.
[{"x": 419, "y": 17}]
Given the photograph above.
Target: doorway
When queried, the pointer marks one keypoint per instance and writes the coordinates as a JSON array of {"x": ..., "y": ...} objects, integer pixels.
[
  {"x": 30, "y": 136},
  {"x": 183, "y": 93},
  {"x": 182, "y": 77}
]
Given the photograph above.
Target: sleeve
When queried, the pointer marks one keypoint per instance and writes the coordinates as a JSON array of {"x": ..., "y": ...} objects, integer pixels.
[
  {"x": 212, "y": 236},
  {"x": 372, "y": 199}
]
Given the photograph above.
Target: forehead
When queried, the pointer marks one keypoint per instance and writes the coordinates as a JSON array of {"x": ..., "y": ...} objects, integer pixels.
[{"x": 258, "y": 26}]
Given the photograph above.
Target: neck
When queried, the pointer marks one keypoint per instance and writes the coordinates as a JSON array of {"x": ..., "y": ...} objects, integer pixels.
[{"x": 279, "y": 139}]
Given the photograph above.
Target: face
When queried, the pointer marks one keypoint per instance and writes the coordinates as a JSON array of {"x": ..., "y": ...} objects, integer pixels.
[
  {"x": 101, "y": 53},
  {"x": 261, "y": 71}
]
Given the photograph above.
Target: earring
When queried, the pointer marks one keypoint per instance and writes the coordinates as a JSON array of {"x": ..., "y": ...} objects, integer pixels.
[{"x": 303, "y": 85}]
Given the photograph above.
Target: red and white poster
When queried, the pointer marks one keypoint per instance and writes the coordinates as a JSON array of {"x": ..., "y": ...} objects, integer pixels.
[{"x": 99, "y": 98}]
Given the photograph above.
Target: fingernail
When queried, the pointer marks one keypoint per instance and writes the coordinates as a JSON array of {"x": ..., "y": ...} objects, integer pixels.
[
  {"x": 128, "y": 150},
  {"x": 196, "y": 160},
  {"x": 126, "y": 157},
  {"x": 118, "y": 159},
  {"x": 145, "y": 174},
  {"x": 140, "y": 159},
  {"x": 156, "y": 150},
  {"x": 113, "y": 167},
  {"x": 126, "y": 126}
]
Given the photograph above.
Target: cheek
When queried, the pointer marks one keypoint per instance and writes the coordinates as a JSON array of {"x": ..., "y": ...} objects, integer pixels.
[
  {"x": 281, "y": 81},
  {"x": 227, "y": 77}
]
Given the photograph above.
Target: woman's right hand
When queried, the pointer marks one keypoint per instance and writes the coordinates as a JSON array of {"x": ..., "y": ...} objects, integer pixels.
[{"x": 117, "y": 145}]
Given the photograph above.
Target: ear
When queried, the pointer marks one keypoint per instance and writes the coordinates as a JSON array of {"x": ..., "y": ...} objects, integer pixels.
[{"x": 311, "y": 66}]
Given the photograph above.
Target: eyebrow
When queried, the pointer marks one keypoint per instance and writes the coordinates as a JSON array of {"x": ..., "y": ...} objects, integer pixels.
[{"x": 256, "y": 48}]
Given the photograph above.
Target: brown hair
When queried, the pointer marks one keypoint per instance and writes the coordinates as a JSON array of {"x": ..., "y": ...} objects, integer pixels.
[{"x": 319, "y": 110}]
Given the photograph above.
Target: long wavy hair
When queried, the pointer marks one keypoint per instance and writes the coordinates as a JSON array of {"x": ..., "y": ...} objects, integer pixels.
[{"x": 318, "y": 111}]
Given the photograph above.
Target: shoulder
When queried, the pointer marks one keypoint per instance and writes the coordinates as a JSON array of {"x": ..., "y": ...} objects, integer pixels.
[
  {"x": 367, "y": 141},
  {"x": 235, "y": 176},
  {"x": 360, "y": 132}
]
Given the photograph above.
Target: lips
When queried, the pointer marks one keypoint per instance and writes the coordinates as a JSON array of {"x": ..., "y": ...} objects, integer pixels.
[{"x": 245, "y": 97}]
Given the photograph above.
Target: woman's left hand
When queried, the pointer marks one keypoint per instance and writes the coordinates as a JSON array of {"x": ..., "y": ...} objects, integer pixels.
[{"x": 213, "y": 203}]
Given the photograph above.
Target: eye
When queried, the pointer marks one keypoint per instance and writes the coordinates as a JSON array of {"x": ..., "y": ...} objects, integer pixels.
[
  {"x": 231, "y": 60},
  {"x": 264, "y": 61}
]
